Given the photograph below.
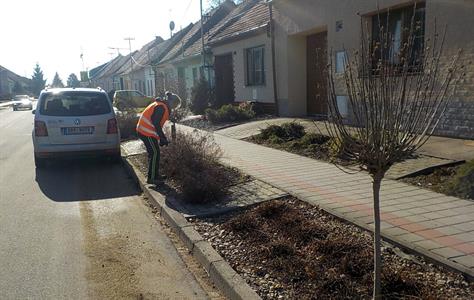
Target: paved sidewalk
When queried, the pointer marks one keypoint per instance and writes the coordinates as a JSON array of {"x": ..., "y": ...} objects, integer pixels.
[
  {"x": 442, "y": 147},
  {"x": 433, "y": 224},
  {"x": 438, "y": 151}
]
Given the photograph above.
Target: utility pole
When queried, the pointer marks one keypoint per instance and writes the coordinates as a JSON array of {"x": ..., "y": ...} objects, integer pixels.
[
  {"x": 274, "y": 77},
  {"x": 203, "y": 55},
  {"x": 130, "y": 39}
]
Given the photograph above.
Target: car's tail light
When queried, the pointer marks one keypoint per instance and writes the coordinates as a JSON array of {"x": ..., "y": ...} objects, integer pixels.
[
  {"x": 40, "y": 128},
  {"x": 112, "y": 126}
]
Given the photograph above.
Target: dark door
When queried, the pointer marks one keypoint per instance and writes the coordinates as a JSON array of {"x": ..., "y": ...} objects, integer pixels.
[
  {"x": 224, "y": 72},
  {"x": 316, "y": 75}
]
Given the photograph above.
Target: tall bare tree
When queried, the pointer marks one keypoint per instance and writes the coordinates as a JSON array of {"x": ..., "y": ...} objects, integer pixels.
[{"x": 398, "y": 87}]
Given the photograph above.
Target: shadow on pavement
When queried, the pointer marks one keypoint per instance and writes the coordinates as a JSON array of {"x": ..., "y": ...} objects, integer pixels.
[{"x": 82, "y": 180}]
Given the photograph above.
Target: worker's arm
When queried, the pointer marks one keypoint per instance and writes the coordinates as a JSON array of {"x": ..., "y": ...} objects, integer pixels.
[{"x": 156, "y": 119}]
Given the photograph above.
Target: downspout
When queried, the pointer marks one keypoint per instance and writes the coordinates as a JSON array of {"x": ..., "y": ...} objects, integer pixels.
[{"x": 272, "y": 36}]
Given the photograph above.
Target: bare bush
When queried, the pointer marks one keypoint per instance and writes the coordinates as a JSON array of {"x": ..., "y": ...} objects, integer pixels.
[
  {"x": 397, "y": 94},
  {"x": 192, "y": 162}
]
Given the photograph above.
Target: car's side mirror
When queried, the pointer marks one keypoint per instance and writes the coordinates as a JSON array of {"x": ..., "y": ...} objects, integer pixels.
[{"x": 33, "y": 111}]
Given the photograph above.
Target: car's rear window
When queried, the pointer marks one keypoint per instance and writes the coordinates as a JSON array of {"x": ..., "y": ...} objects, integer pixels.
[
  {"x": 21, "y": 97},
  {"x": 74, "y": 104}
]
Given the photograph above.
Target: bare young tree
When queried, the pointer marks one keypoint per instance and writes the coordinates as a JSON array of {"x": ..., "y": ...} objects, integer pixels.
[{"x": 398, "y": 90}]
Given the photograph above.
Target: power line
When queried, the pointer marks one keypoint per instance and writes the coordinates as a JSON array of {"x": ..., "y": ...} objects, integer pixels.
[{"x": 187, "y": 8}]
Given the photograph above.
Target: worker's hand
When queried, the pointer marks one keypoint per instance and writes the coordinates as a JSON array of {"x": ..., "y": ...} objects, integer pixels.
[{"x": 164, "y": 141}]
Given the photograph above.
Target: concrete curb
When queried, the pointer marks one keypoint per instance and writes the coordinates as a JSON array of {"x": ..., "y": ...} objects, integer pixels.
[{"x": 229, "y": 282}]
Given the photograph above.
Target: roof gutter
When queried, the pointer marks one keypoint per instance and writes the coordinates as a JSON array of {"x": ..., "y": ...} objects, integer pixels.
[{"x": 239, "y": 36}]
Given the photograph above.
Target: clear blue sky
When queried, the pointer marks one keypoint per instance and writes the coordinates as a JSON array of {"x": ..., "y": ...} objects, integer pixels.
[{"x": 53, "y": 32}]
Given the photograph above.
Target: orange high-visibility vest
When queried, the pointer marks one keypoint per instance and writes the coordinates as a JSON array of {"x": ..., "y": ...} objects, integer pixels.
[{"x": 145, "y": 126}]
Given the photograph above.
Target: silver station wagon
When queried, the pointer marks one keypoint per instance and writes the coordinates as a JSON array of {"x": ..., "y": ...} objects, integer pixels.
[{"x": 74, "y": 122}]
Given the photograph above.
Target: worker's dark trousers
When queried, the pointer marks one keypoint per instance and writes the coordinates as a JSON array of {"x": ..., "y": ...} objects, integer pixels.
[{"x": 153, "y": 149}]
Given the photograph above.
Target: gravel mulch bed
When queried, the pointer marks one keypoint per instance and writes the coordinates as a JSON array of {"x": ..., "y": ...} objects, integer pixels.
[{"x": 288, "y": 249}]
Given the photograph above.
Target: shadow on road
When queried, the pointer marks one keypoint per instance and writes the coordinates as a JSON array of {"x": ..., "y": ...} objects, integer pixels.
[{"x": 81, "y": 180}]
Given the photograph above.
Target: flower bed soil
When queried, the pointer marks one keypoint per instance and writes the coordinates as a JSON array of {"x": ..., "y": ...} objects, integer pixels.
[
  {"x": 435, "y": 181},
  {"x": 319, "y": 151},
  {"x": 441, "y": 180},
  {"x": 288, "y": 249}
]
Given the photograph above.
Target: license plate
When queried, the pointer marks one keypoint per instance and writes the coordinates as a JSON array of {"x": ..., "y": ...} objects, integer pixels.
[{"x": 77, "y": 130}]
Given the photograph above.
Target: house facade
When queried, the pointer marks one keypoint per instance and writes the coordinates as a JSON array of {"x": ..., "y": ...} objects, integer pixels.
[
  {"x": 241, "y": 49},
  {"x": 8, "y": 80},
  {"x": 306, "y": 28},
  {"x": 108, "y": 76}
]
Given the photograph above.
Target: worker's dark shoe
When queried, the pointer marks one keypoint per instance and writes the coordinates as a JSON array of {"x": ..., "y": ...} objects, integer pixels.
[{"x": 158, "y": 180}]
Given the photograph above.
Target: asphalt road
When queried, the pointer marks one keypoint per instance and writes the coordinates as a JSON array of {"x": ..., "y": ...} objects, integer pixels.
[{"x": 79, "y": 230}]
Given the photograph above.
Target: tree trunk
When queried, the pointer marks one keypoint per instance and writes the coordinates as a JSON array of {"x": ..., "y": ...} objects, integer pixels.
[{"x": 377, "y": 179}]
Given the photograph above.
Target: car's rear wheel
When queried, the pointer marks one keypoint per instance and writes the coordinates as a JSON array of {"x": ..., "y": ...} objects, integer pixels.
[{"x": 40, "y": 162}]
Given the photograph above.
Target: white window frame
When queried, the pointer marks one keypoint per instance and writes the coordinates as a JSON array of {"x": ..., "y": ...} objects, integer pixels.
[
  {"x": 340, "y": 61},
  {"x": 255, "y": 66}
]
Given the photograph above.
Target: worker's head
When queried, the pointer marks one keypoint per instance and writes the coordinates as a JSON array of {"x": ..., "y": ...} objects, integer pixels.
[{"x": 172, "y": 100}]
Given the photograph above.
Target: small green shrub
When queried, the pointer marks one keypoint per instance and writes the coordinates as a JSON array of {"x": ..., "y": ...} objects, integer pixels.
[
  {"x": 314, "y": 138},
  {"x": 275, "y": 140},
  {"x": 286, "y": 132},
  {"x": 201, "y": 97},
  {"x": 229, "y": 113},
  {"x": 293, "y": 130},
  {"x": 462, "y": 185},
  {"x": 336, "y": 149},
  {"x": 272, "y": 131}
]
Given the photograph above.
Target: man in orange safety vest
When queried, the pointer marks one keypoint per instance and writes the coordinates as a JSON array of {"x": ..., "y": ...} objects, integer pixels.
[{"x": 150, "y": 131}]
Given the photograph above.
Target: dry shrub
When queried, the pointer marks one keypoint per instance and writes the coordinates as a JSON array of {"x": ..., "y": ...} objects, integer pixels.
[
  {"x": 279, "y": 248},
  {"x": 127, "y": 122},
  {"x": 192, "y": 162},
  {"x": 271, "y": 210},
  {"x": 245, "y": 223},
  {"x": 396, "y": 283}
]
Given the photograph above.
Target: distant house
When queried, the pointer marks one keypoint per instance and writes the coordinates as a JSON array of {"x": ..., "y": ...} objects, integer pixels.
[
  {"x": 305, "y": 29},
  {"x": 153, "y": 69},
  {"x": 107, "y": 76},
  {"x": 8, "y": 80},
  {"x": 182, "y": 66},
  {"x": 139, "y": 74}
]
